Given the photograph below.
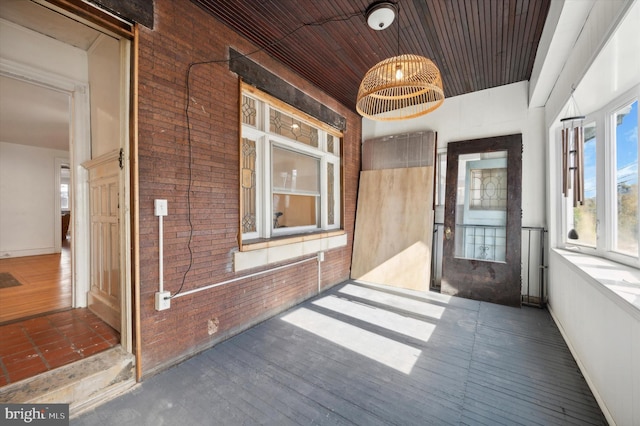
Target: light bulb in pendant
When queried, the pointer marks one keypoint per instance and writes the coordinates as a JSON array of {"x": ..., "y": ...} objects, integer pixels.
[{"x": 399, "y": 73}]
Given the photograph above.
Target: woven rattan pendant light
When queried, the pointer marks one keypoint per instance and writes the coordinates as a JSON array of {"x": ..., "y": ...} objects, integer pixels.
[{"x": 401, "y": 87}]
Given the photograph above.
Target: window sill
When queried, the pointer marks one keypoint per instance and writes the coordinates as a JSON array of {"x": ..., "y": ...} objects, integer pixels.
[
  {"x": 617, "y": 279},
  {"x": 259, "y": 244},
  {"x": 262, "y": 253}
]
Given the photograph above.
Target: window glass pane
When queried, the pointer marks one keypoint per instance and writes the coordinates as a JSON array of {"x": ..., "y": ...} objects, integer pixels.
[
  {"x": 330, "y": 147},
  {"x": 480, "y": 229},
  {"x": 294, "y": 210},
  {"x": 488, "y": 189},
  {"x": 333, "y": 144},
  {"x": 441, "y": 173},
  {"x": 331, "y": 200},
  {"x": 249, "y": 112},
  {"x": 64, "y": 196},
  {"x": 296, "y": 188},
  {"x": 584, "y": 216},
  {"x": 289, "y": 127},
  {"x": 293, "y": 172},
  {"x": 626, "y": 149},
  {"x": 248, "y": 185}
]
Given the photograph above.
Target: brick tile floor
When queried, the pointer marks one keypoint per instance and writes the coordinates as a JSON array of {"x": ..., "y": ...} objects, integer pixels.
[{"x": 36, "y": 345}]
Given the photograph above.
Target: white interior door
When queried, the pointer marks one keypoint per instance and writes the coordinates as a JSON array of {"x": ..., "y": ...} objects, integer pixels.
[{"x": 105, "y": 293}]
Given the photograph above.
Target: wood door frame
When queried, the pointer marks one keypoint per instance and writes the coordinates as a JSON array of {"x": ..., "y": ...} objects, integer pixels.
[
  {"x": 80, "y": 151},
  {"x": 128, "y": 35},
  {"x": 470, "y": 278}
]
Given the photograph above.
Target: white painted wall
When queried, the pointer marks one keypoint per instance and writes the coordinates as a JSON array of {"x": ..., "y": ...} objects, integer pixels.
[
  {"x": 19, "y": 44},
  {"x": 27, "y": 200},
  {"x": 595, "y": 33},
  {"x": 104, "y": 77},
  {"x": 603, "y": 332},
  {"x": 498, "y": 111}
]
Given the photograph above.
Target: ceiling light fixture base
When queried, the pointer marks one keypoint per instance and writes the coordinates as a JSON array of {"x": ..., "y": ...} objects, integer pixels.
[{"x": 380, "y": 15}]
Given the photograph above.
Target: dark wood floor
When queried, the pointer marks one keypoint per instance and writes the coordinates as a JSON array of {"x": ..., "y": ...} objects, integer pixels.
[{"x": 365, "y": 355}]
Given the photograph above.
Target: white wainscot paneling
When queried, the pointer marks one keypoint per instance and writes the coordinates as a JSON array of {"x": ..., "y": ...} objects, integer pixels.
[{"x": 596, "y": 305}]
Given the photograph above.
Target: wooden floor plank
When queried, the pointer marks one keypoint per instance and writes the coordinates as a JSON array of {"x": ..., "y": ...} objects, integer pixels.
[
  {"x": 468, "y": 362},
  {"x": 478, "y": 412},
  {"x": 509, "y": 406},
  {"x": 263, "y": 388},
  {"x": 563, "y": 377},
  {"x": 386, "y": 397},
  {"x": 305, "y": 386},
  {"x": 523, "y": 392},
  {"x": 45, "y": 285},
  {"x": 369, "y": 384}
]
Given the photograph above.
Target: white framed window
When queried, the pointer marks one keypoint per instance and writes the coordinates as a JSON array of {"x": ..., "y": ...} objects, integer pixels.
[
  {"x": 289, "y": 170},
  {"x": 624, "y": 168},
  {"x": 64, "y": 196},
  {"x": 607, "y": 224}
]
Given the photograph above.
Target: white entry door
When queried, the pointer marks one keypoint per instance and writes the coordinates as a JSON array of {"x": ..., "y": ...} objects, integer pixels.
[{"x": 106, "y": 288}]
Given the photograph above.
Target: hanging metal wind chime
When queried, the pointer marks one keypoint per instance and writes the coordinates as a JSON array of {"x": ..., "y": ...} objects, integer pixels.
[{"x": 573, "y": 154}]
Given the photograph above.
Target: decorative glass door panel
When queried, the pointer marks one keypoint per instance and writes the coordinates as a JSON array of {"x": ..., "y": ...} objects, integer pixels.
[{"x": 482, "y": 206}]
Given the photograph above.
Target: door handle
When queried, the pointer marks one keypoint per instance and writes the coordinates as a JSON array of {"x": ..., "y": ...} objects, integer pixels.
[{"x": 447, "y": 233}]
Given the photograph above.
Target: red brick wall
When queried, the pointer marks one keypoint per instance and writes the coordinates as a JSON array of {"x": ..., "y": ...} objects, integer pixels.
[{"x": 183, "y": 34}]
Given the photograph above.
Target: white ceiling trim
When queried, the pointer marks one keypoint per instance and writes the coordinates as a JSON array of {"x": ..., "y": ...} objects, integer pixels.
[{"x": 564, "y": 24}]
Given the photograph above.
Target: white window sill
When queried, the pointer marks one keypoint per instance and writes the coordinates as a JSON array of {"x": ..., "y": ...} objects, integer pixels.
[
  {"x": 266, "y": 253},
  {"x": 619, "y": 280}
]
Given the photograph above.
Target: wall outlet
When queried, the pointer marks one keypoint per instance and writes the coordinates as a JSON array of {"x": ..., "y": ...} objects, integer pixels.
[
  {"x": 160, "y": 208},
  {"x": 163, "y": 300}
]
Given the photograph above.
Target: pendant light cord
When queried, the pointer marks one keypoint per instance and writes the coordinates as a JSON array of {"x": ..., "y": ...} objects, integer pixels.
[{"x": 398, "y": 53}]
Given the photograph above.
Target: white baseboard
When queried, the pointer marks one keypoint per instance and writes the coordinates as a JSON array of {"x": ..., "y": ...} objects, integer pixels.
[{"x": 6, "y": 254}]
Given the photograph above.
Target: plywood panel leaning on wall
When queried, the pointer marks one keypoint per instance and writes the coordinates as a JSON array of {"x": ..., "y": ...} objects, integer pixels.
[
  {"x": 394, "y": 228},
  {"x": 394, "y": 223}
]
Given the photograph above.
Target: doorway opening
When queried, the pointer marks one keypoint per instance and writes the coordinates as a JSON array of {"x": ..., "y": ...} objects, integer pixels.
[{"x": 54, "y": 128}]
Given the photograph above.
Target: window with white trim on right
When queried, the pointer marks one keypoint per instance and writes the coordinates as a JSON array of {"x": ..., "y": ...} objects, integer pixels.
[
  {"x": 624, "y": 123},
  {"x": 607, "y": 222},
  {"x": 290, "y": 177}
]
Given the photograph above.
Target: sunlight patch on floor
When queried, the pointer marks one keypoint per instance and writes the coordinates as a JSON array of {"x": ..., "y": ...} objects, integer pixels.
[
  {"x": 397, "y": 265},
  {"x": 411, "y": 305},
  {"x": 393, "y": 354},
  {"x": 401, "y": 324}
]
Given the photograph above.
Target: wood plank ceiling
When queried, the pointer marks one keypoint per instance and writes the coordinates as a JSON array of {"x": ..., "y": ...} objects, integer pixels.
[{"x": 476, "y": 44}]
